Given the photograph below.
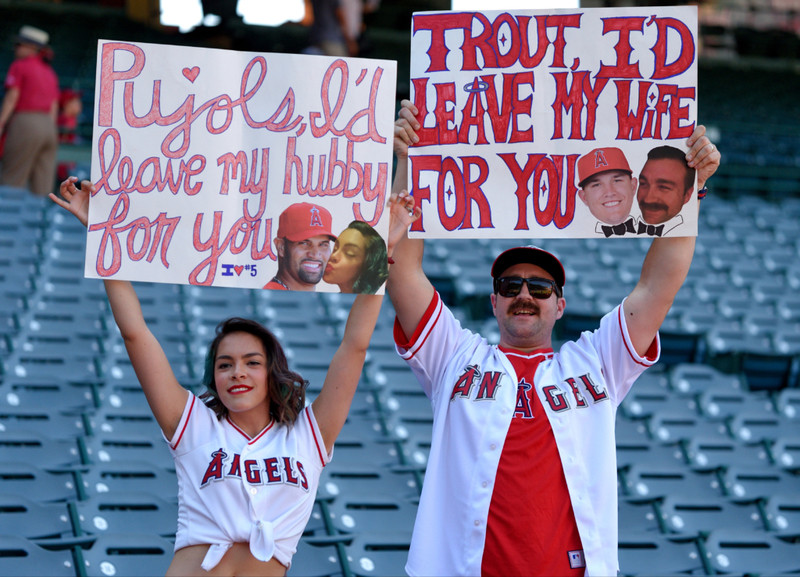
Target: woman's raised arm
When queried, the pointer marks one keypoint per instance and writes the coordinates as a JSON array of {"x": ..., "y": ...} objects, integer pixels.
[{"x": 165, "y": 395}]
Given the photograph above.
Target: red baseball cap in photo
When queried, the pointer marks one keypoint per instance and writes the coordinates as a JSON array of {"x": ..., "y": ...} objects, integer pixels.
[
  {"x": 599, "y": 160},
  {"x": 533, "y": 255},
  {"x": 304, "y": 220}
]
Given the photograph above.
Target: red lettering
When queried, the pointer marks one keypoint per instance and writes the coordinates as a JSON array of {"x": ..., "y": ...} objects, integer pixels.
[
  {"x": 438, "y": 24},
  {"x": 272, "y": 470},
  {"x": 623, "y": 68},
  {"x": 525, "y": 57},
  {"x": 561, "y": 21},
  {"x": 521, "y": 178},
  {"x": 418, "y": 165},
  {"x": 687, "y": 53},
  {"x": 471, "y": 45},
  {"x": 108, "y": 76},
  {"x": 630, "y": 124}
]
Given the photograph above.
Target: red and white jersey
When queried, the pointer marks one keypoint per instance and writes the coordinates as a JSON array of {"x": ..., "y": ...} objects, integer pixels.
[
  {"x": 234, "y": 489},
  {"x": 473, "y": 391}
]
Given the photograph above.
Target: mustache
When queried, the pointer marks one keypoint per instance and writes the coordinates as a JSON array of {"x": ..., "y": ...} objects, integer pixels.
[
  {"x": 653, "y": 206},
  {"x": 525, "y": 306}
]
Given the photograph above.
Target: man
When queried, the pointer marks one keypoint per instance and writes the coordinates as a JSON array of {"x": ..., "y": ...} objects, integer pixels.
[
  {"x": 303, "y": 244},
  {"x": 606, "y": 185},
  {"x": 666, "y": 183},
  {"x": 521, "y": 478}
]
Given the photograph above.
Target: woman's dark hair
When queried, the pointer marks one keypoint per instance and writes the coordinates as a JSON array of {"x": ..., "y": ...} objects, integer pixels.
[
  {"x": 375, "y": 269},
  {"x": 286, "y": 389}
]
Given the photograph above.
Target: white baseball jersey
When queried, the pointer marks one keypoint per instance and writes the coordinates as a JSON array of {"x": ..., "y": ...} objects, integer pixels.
[
  {"x": 473, "y": 391},
  {"x": 234, "y": 489}
]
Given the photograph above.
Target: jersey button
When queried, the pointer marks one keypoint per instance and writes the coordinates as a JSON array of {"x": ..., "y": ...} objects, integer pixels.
[
  {"x": 484, "y": 484},
  {"x": 492, "y": 446},
  {"x": 253, "y": 490},
  {"x": 477, "y": 523}
]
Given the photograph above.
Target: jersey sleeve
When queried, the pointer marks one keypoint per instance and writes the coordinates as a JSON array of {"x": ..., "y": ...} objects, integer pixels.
[
  {"x": 313, "y": 438},
  {"x": 620, "y": 362},
  {"x": 196, "y": 418},
  {"x": 433, "y": 344}
]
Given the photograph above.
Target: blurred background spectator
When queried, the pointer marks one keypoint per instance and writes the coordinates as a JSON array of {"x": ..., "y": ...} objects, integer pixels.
[{"x": 28, "y": 114}]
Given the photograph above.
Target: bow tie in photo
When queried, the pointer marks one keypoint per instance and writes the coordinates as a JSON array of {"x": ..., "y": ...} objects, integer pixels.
[{"x": 619, "y": 229}]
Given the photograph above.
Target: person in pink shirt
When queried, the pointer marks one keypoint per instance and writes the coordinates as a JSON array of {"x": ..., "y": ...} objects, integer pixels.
[{"x": 28, "y": 115}]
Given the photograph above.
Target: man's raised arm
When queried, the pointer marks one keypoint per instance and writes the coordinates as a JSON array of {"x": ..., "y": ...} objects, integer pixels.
[
  {"x": 667, "y": 262},
  {"x": 408, "y": 287}
]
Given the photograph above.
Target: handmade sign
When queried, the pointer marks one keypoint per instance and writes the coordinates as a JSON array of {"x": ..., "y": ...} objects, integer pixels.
[
  {"x": 223, "y": 168},
  {"x": 554, "y": 124}
]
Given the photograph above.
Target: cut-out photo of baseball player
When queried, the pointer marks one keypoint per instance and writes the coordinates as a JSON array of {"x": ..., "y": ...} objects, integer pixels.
[
  {"x": 303, "y": 245},
  {"x": 358, "y": 263},
  {"x": 666, "y": 183},
  {"x": 607, "y": 187}
]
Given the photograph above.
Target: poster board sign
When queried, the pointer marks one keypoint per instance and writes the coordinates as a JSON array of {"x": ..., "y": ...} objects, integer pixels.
[
  {"x": 213, "y": 167},
  {"x": 520, "y": 109}
]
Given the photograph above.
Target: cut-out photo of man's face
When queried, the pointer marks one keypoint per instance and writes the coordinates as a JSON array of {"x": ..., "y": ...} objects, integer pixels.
[
  {"x": 607, "y": 186},
  {"x": 666, "y": 184}
]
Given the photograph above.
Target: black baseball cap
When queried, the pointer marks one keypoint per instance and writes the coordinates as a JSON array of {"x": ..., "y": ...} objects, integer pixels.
[{"x": 532, "y": 255}]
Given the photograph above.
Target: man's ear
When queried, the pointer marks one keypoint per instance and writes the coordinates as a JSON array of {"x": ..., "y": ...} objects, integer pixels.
[
  {"x": 560, "y": 308},
  {"x": 279, "y": 246},
  {"x": 493, "y": 298},
  {"x": 582, "y": 194},
  {"x": 688, "y": 194},
  {"x": 634, "y": 184}
]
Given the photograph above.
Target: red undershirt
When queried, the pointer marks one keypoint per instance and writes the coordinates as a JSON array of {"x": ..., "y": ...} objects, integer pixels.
[{"x": 531, "y": 526}]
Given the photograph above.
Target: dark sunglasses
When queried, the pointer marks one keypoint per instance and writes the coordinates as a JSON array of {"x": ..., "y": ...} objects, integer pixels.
[{"x": 538, "y": 288}]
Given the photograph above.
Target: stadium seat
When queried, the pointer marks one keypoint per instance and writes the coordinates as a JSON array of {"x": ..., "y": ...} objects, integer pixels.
[
  {"x": 33, "y": 520},
  {"x": 692, "y": 379},
  {"x": 647, "y": 452},
  {"x": 371, "y": 513},
  {"x": 754, "y": 427},
  {"x": 645, "y": 399},
  {"x": 315, "y": 560},
  {"x": 745, "y": 484},
  {"x": 127, "y": 477},
  {"x": 720, "y": 403},
  {"x": 35, "y": 448},
  {"x": 783, "y": 514},
  {"x": 654, "y": 482},
  {"x": 635, "y": 516},
  {"x": 744, "y": 552},
  {"x": 404, "y": 400},
  {"x": 53, "y": 392},
  {"x": 348, "y": 481},
  {"x": 671, "y": 427},
  {"x": 692, "y": 516},
  {"x": 122, "y": 421},
  {"x": 379, "y": 553},
  {"x": 788, "y": 403},
  {"x": 712, "y": 454},
  {"x": 36, "y": 484},
  {"x": 130, "y": 512},
  {"x": 786, "y": 452},
  {"x": 359, "y": 452},
  {"x": 768, "y": 371},
  {"x": 120, "y": 448},
  {"x": 127, "y": 554},
  {"x": 57, "y": 424},
  {"x": 649, "y": 554},
  {"x": 22, "y": 558}
]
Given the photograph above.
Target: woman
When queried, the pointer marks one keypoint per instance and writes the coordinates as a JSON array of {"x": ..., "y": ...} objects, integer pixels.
[
  {"x": 28, "y": 115},
  {"x": 248, "y": 453},
  {"x": 358, "y": 263}
]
